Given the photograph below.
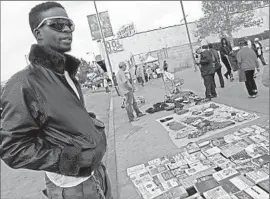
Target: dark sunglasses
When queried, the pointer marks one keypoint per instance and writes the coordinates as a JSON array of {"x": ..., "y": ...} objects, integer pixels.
[{"x": 57, "y": 23}]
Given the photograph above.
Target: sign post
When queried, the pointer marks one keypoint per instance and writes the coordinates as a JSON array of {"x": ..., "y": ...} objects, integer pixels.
[{"x": 102, "y": 35}]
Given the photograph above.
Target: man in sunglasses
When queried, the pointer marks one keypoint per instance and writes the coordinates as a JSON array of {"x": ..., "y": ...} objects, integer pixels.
[{"x": 46, "y": 126}]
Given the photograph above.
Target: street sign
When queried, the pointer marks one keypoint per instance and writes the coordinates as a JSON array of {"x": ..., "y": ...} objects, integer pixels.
[
  {"x": 114, "y": 46},
  {"x": 126, "y": 31},
  {"x": 105, "y": 25}
]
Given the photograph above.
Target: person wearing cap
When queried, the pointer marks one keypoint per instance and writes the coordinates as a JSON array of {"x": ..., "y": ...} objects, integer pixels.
[
  {"x": 45, "y": 124},
  {"x": 127, "y": 91},
  {"x": 217, "y": 65},
  {"x": 248, "y": 62},
  {"x": 259, "y": 50},
  {"x": 207, "y": 69}
]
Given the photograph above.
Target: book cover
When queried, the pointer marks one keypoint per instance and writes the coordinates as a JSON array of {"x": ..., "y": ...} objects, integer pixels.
[
  {"x": 158, "y": 179},
  {"x": 134, "y": 169},
  {"x": 257, "y": 176},
  {"x": 229, "y": 151},
  {"x": 229, "y": 187},
  {"x": 175, "y": 193},
  {"x": 167, "y": 175},
  {"x": 246, "y": 167},
  {"x": 149, "y": 190},
  {"x": 255, "y": 150},
  {"x": 264, "y": 185},
  {"x": 240, "y": 157},
  {"x": 218, "y": 142},
  {"x": 242, "y": 195},
  {"x": 211, "y": 151},
  {"x": 257, "y": 138},
  {"x": 262, "y": 160},
  {"x": 215, "y": 193},
  {"x": 231, "y": 138},
  {"x": 206, "y": 183},
  {"x": 195, "y": 196},
  {"x": 257, "y": 193},
  {"x": 156, "y": 162},
  {"x": 241, "y": 182},
  {"x": 178, "y": 171},
  {"x": 192, "y": 148},
  {"x": 188, "y": 182},
  {"x": 225, "y": 173},
  {"x": 169, "y": 184}
]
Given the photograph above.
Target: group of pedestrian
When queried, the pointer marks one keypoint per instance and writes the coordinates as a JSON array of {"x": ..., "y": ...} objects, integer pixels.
[{"x": 244, "y": 59}]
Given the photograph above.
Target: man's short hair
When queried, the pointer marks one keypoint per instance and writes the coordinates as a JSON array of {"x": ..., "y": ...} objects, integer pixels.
[
  {"x": 205, "y": 47},
  {"x": 121, "y": 64},
  {"x": 210, "y": 45},
  {"x": 34, "y": 14}
]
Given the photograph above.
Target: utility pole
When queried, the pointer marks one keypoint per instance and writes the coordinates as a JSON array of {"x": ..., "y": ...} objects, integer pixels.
[
  {"x": 102, "y": 35},
  {"x": 183, "y": 12}
]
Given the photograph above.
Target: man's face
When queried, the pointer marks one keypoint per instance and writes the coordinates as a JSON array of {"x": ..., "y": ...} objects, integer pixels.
[{"x": 60, "y": 41}]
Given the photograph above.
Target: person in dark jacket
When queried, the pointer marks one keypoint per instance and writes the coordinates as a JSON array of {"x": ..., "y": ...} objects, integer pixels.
[
  {"x": 217, "y": 65},
  {"x": 46, "y": 126},
  {"x": 207, "y": 71},
  {"x": 257, "y": 46},
  {"x": 225, "y": 51}
]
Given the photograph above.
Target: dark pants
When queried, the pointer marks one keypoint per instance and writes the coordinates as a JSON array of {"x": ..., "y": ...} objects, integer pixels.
[
  {"x": 262, "y": 59},
  {"x": 221, "y": 80},
  {"x": 209, "y": 83},
  {"x": 250, "y": 82},
  {"x": 228, "y": 67},
  {"x": 140, "y": 80},
  {"x": 86, "y": 189},
  {"x": 131, "y": 105}
]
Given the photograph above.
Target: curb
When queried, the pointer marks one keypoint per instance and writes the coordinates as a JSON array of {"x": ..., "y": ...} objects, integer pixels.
[{"x": 111, "y": 158}]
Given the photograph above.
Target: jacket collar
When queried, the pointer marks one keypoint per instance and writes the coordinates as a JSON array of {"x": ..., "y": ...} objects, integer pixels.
[{"x": 49, "y": 58}]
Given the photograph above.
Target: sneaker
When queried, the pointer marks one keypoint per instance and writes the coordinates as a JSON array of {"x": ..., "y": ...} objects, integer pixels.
[
  {"x": 252, "y": 96},
  {"x": 226, "y": 76},
  {"x": 134, "y": 120},
  {"x": 141, "y": 114}
]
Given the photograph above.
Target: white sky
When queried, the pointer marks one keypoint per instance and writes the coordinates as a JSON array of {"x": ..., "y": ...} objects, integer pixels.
[{"x": 16, "y": 37}]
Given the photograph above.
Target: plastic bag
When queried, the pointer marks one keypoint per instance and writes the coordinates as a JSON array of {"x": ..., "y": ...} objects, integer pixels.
[{"x": 265, "y": 76}]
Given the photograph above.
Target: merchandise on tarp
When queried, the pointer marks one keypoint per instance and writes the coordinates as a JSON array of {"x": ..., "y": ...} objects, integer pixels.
[
  {"x": 204, "y": 120},
  {"x": 232, "y": 166}
]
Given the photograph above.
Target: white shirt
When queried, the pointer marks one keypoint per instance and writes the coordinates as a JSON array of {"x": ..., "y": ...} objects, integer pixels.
[{"x": 62, "y": 180}]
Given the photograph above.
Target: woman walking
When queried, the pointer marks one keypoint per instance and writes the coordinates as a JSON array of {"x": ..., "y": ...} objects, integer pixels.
[{"x": 225, "y": 52}]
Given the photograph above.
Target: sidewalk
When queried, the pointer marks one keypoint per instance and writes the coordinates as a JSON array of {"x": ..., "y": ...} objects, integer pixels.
[{"x": 145, "y": 140}]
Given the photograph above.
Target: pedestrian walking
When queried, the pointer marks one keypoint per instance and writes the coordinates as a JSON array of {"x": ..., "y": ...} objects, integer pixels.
[
  {"x": 207, "y": 71},
  {"x": 248, "y": 62},
  {"x": 217, "y": 65},
  {"x": 127, "y": 90},
  {"x": 225, "y": 51},
  {"x": 46, "y": 126},
  {"x": 165, "y": 65},
  {"x": 259, "y": 50},
  {"x": 140, "y": 74}
]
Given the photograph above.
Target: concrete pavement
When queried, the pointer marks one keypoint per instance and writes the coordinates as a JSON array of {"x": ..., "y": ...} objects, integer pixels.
[{"x": 145, "y": 140}]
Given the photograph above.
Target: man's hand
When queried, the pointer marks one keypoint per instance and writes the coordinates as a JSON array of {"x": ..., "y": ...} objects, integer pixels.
[{"x": 87, "y": 157}]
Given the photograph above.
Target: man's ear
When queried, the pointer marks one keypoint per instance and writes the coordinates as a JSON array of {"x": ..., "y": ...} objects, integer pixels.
[{"x": 38, "y": 34}]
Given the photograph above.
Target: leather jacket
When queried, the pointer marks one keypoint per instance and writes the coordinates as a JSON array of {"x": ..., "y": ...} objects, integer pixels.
[{"x": 45, "y": 126}]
